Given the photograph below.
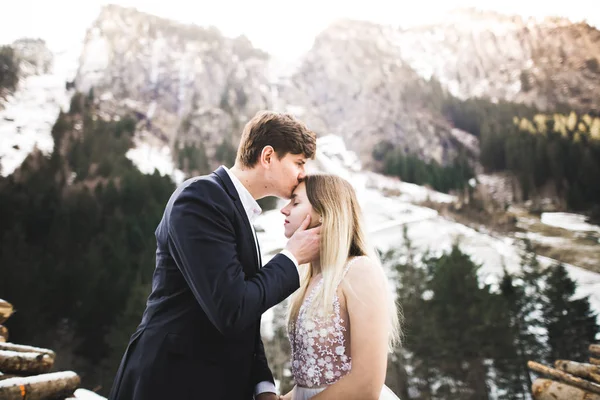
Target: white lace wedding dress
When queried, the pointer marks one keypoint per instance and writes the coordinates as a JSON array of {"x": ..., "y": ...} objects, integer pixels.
[{"x": 320, "y": 354}]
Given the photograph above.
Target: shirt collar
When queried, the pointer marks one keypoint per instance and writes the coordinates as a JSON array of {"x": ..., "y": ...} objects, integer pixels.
[{"x": 250, "y": 205}]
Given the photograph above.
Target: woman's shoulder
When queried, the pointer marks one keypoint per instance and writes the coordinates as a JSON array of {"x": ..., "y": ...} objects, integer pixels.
[{"x": 363, "y": 275}]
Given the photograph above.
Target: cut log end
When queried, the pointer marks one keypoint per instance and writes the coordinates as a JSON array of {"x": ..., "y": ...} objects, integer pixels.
[
  {"x": 6, "y": 310},
  {"x": 3, "y": 333},
  {"x": 546, "y": 389}
]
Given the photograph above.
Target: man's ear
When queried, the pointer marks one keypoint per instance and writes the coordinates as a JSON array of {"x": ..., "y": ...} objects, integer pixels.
[{"x": 266, "y": 156}]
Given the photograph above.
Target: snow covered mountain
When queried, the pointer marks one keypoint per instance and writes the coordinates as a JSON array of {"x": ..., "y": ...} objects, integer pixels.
[
  {"x": 27, "y": 116},
  {"x": 360, "y": 80},
  {"x": 193, "y": 85},
  {"x": 476, "y": 53},
  {"x": 206, "y": 85}
]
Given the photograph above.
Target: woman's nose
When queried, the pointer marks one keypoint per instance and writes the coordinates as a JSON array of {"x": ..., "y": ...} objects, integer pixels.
[{"x": 284, "y": 211}]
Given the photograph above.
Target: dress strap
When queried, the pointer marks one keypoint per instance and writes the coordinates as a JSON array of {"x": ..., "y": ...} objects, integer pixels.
[{"x": 350, "y": 263}]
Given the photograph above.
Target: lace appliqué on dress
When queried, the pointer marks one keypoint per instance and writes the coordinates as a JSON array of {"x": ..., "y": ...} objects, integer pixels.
[{"x": 319, "y": 352}]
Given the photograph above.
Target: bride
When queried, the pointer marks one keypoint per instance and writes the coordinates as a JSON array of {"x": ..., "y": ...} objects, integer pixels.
[{"x": 343, "y": 320}]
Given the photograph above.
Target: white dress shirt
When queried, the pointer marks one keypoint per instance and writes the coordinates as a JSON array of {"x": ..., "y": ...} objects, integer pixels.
[{"x": 253, "y": 210}]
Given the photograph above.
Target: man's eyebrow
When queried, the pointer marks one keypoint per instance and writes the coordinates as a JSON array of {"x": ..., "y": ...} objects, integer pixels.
[{"x": 293, "y": 195}]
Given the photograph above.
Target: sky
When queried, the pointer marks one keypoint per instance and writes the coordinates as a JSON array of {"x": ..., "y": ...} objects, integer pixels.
[{"x": 280, "y": 27}]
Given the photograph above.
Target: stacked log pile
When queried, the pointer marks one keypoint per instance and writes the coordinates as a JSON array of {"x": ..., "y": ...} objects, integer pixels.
[
  {"x": 569, "y": 379},
  {"x": 6, "y": 310},
  {"x": 25, "y": 370}
]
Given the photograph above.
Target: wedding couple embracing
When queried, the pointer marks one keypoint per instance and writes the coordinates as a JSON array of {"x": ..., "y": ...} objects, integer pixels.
[{"x": 199, "y": 337}]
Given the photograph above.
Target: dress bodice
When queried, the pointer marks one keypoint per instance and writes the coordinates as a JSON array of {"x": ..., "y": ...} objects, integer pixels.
[{"x": 320, "y": 344}]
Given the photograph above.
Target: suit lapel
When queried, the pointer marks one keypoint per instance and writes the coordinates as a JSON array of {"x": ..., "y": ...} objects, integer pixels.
[
  {"x": 259, "y": 253},
  {"x": 231, "y": 190}
]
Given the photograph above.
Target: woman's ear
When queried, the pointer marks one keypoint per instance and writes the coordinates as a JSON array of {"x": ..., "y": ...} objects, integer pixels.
[{"x": 319, "y": 222}]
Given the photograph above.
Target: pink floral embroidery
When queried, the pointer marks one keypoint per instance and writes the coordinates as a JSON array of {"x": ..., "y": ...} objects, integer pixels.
[{"x": 319, "y": 352}]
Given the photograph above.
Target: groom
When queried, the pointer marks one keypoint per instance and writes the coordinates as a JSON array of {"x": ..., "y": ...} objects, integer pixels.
[{"x": 199, "y": 337}]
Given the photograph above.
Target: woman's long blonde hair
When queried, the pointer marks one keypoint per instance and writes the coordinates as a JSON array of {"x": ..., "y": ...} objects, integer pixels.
[{"x": 342, "y": 237}]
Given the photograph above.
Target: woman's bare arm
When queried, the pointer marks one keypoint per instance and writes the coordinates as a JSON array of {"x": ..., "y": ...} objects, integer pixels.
[{"x": 365, "y": 292}]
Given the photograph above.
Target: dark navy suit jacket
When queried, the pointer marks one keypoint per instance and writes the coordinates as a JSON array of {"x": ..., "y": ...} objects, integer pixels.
[{"x": 199, "y": 337}]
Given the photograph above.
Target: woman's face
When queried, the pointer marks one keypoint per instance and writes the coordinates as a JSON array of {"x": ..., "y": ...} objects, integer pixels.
[{"x": 297, "y": 209}]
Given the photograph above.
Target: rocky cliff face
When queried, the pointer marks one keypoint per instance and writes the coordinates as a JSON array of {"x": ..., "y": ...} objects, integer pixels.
[
  {"x": 34, "y": 57},
  {"x": 366, "y": 82},
  {"x": 191, "y": 84},
  {"x": 354, "y": 83},
  {"x": 363, "y": 81},
  {"x": 21, "y": 59},
  {"x": 483, "y": 54}
]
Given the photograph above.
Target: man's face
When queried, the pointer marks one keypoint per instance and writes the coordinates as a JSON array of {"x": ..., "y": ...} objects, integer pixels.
[{"x": 286, "y": 173}]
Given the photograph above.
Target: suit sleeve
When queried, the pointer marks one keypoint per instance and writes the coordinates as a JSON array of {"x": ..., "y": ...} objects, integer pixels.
[
  {"x": 203, "y": 244},
  {"x": 261, "y": 371}
]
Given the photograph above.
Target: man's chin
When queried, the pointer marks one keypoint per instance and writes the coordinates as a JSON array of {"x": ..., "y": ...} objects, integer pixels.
[
  {"x": 291, "y": 192},
  {"x": 281, "y": 194}
]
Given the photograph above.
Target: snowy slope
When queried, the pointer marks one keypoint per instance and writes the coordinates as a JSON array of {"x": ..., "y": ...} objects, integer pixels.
[
  {"x": 385, "y": 216},
  {"x": 28, "y": 116}
]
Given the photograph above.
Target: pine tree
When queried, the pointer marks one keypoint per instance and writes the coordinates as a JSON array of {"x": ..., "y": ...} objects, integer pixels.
[
  {"x": 530, "y": 302},
  {"x": 465, "y": 327},
  {"x": 9, "y": 70},
  {"x": 120, "y": 332},
  {"x": 225, "y": 153},
  {"x": 513, "y": 376},
  {"x": 410, "y": 285},
  {"x": 570, "y": 322},
  {"x": 82, "y": 245},
  {"x": 589, "y": 171}
]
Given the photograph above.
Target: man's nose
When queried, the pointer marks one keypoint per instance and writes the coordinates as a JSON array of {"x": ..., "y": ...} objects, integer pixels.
[{"x": 301, "y": 175}]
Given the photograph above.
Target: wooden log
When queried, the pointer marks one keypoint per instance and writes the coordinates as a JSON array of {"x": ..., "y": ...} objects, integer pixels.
[
  {"x": 3, "y": 334},
  {"x": 563, "y": 376},
  {"x": 595, "y": 350},
  {"x": 40, "y": 387},
  {"x": 7, "y": 376},
  {"x": 582, "y": 370},
  {"x": 595, "y": 361},
  {"x": 20, "y": 348},
  {"x": 6, "y": 310},
  {"x": 546, "y": 389},
  {"x": 25, "y": 363}
]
